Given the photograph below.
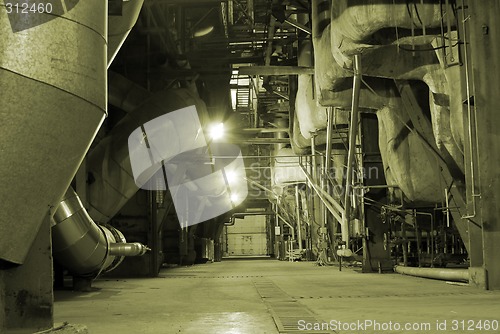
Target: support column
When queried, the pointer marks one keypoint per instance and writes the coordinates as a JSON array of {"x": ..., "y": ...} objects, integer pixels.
[
  {"x": 485, "y": 51},
  {"x": 26, "y": 297},
  {"x": 375, "y": 253}
]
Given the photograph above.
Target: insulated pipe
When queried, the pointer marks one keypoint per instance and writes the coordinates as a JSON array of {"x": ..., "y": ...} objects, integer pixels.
[
  {"x": 352, "y": 147},
  {"x": 459, "y": 275},
  {"x": 351, "y": 25},
  {"x": 120, "y": 26},
  {"x": 358, "y": 21},
  {"x": 52, "y": 101},
  {"x": 83, "y": 247}
]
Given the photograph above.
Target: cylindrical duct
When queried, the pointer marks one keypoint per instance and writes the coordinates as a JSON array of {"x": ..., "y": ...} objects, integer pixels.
[
  {"x": 120, "y": 26},
  {"x": 82, "y": 246},
  {"x": 458, "y": 275},
  {"x": 53, "y": 99},
  {"x": 109, "y": 162}
]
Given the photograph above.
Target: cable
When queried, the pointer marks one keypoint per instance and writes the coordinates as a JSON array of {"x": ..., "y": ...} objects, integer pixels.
[{"x": 418, "y": 15}]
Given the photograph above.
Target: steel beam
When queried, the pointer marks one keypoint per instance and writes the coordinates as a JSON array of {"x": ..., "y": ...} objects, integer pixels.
[{"x": 485, "y": 53}]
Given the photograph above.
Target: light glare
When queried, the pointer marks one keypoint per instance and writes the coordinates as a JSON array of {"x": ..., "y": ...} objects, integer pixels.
[
  {"x": 231, "y": 176},
  {"x": 234, "y": 198},
  {"x": 217, "y": 131}
]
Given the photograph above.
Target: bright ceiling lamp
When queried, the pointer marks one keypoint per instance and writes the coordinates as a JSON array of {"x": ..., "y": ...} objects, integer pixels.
[
  {"x": 216, "y": 131},
  {"x": 235, "y": 198}
]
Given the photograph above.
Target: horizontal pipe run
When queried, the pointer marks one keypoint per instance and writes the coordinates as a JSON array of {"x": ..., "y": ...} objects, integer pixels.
[
  {"x": 238, "y": 215},
  {"x": 458, "y": 275}
]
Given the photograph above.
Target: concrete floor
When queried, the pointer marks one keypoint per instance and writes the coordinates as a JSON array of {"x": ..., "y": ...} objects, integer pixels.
[{"x": 262, "y": 295}]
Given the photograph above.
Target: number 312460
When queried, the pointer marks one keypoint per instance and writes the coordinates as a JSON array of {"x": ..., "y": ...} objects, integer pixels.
[{"x": 26, "y": 8}]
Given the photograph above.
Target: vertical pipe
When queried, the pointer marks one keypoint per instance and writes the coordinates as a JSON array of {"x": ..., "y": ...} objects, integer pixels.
[
  {"x": 328, "y": 155},
  {"x": 447, "y": 207},
  {"x": 313, "y": 159},
  {"x": 419, "y": 240},
  {"x": 352, "y": 147},
  {"x": 405, "y": 244},
  {"x": 297, "y": 210},
  {"x": 326, "y": 164}
]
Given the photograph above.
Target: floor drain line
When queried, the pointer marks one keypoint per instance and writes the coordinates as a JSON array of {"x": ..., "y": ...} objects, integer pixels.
[{"x": 287, "y": 312}]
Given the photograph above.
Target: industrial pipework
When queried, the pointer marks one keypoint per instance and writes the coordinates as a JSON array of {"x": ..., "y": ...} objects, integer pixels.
[
  {"x": 459, "y": 275},
  {"x": 84, "y": 247},
  {"x": 53, "y": 100}
]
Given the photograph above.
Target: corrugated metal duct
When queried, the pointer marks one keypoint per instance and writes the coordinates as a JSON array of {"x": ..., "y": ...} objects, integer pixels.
[{"x": 82, "y": 246}]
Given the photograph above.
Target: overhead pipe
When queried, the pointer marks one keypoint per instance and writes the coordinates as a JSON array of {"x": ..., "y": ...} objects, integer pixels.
[
  {"x": 82, "y": 246},
  {"x": 240, "y": 215},
  {"x": 446, "y": 274},
  {"x": 353, "y": 127},
  {"x": 351, "y": 25},
  {"x": 53, "y": 100}
]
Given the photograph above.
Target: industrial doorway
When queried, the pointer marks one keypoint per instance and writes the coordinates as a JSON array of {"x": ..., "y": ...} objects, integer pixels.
[{"x": 248, "y": 237}]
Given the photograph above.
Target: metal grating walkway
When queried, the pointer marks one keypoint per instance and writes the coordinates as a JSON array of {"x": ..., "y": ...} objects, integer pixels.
[{"x": 286, "y": 311}]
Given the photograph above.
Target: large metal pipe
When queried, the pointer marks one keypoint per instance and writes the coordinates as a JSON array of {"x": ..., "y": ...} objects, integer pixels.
[
  {"x": 353, "y": 24},
  {"x": 83, "y": 247},
  {"x": 459, "y": 275},
  {"x": 53, "y": 100},
  {"x": 79, "y": 244}
]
